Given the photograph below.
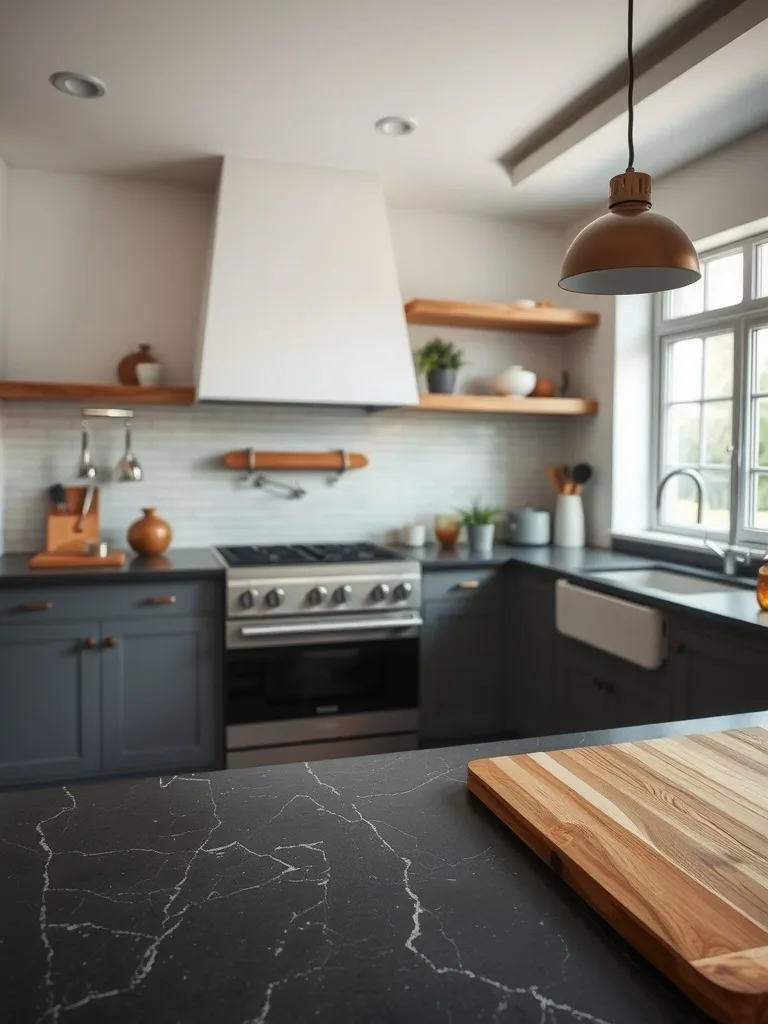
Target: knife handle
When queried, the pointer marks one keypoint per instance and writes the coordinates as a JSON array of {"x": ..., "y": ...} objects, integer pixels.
[{"x": 58, "y": 498}]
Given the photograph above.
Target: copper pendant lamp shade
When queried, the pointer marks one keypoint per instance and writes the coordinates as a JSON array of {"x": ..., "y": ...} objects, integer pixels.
[{"x": 630, "y": 250}]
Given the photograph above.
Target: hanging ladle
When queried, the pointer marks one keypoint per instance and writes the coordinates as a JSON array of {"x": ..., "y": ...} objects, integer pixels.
[
  {"x": 128, "y": 468},
  {"x": 86, "y": 468}
]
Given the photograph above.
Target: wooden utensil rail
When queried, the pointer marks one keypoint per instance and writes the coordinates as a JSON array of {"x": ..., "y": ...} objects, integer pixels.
[{"x": 336, "y": 461}]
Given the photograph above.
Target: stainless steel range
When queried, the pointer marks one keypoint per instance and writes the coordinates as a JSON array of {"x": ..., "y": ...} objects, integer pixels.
[{"x": 322, "y": 652}]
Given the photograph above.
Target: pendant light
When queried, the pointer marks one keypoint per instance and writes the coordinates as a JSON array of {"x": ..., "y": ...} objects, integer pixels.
[{"x": 629, "y": 250}]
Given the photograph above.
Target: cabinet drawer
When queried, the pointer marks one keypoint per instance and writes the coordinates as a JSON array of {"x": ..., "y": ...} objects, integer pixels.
[
  {"x": 469, "y": 583},
  {"x": 161, "y": 598},
  {"x": 53, "y": 603}
]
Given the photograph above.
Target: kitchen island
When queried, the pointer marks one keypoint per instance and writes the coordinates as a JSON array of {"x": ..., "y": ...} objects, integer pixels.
[{"x": 368, "y": 889}]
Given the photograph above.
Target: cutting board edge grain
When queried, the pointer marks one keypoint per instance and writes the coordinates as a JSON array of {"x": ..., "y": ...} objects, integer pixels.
[{"x": 709, "y": 982}]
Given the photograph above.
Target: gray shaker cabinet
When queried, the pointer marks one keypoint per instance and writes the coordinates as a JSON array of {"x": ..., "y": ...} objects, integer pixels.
[
  {"x": 49, "y": 701},
  {"x": 109, "y": 678},
  {"x": 531, "y": 707},
  {"x": 719, "y": 671},
  {"x": 597, "y": 691},
  {"x": 159, "y": 683},
  {"x": 461, "y": 656}
]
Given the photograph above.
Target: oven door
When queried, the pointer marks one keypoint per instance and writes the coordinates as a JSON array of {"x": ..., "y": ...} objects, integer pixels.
[{"x": 308, "y": 686}]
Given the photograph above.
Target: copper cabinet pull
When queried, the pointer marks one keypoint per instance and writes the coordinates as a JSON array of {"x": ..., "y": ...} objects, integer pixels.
[
  {"x": 110, "y": 641},
  {"x": 37, "y": 606},
  {"x": 90, "y": 643},
  {"x": 162, "y": 599},
  {"x": 469, "y": 585}
]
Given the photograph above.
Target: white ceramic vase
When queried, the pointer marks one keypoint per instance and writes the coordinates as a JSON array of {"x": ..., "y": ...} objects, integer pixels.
[
  {"x": 569, "y": 521},
  {"x": 515, "y": 381},
  {"x": 149, "y": 374}
]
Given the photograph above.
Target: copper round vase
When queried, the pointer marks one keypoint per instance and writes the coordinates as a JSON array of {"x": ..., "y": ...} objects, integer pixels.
[{"x": 150, "y": 535}]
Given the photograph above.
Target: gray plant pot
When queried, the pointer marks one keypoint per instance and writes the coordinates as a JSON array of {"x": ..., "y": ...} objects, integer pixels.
[
  {"x": 441, "y": 382},
  {"x": 480, "y": 538}
]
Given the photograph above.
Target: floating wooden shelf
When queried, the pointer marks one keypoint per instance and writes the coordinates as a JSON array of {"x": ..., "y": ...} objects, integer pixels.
[
  {"x": 510, "y": 406},
  {"x": 122, "y": 394},
  {"x": 497, "y": 316}
]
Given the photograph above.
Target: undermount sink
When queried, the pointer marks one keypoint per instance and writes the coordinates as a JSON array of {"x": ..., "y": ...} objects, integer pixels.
[{"x": 665, "y": 581}]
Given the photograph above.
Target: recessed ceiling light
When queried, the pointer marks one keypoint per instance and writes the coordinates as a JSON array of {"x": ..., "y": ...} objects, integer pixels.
[
  {"x": 395, "y": 125},
  {"x": 72, "y": 83}
]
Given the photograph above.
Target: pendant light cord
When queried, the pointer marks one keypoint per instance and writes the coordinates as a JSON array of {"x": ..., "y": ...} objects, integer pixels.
[{"x": 630, "y": 85}]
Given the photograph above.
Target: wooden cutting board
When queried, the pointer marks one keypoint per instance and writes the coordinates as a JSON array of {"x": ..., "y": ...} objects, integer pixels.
[{"x": 668, "y": 841}]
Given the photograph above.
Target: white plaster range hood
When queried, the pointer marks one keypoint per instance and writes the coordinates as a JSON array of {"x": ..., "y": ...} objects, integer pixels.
[{"x": 303, "y": 300}]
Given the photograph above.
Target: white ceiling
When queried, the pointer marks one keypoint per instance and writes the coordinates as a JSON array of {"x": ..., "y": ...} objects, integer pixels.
[{"x": 304, "y": 80}]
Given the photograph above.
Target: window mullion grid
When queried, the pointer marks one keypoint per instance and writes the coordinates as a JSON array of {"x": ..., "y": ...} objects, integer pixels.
[
  {"x": 750, "y": 271},
  {"x": 740, "y": 320},
  {"x": 701, "y": 398},
  {"x": 743, "y": 415}
]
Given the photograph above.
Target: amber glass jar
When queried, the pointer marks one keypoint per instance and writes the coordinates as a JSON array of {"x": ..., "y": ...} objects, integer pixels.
[
  {"x": 447, "y": 530},
  {"x": 762, "y": 587}
]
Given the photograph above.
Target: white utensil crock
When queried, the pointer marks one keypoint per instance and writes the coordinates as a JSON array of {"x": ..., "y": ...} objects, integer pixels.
[
  {"x": 569, "y": 521},
  {"x": 414, "y": 535}
]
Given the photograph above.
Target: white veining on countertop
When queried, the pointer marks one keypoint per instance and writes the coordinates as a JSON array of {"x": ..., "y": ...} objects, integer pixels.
[{"x": 387, "y": 879}]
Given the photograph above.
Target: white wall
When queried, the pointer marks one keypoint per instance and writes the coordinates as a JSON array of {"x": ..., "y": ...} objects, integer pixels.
[
  {"x": 96, "y": 266},
  {"x": 726, "y": 189},
  {"x": 420, "y": 463},
  {"x": 480, "y": 259}
]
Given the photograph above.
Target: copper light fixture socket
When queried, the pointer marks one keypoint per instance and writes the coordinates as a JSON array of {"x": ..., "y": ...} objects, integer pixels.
[{"x": 630, "y": 250}]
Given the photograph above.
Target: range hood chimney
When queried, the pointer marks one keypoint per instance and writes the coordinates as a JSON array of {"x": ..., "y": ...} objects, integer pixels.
[{"x": 303, "y": 300}]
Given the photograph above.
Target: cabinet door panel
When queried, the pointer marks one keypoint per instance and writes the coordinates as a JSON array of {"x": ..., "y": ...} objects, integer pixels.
[
  {"x": 460, "y": 677},
  {"x": 49, "y": 702},
  {"x": 530, "y": 684},
  {"x": 721, "y": 675},
  {"x": 598, "y": 691},
  {"x": 587, "y": 700},
  {"x": 159, "y": 694}
]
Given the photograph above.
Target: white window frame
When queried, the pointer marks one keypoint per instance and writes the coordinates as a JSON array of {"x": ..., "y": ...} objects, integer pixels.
[{"x": 742, "y": 320}]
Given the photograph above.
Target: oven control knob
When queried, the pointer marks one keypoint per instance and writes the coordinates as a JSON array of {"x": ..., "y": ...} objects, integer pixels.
[
  {"x": 403, "y": 591},
  {"x": 380, "y": 592},
  {"x": 248, "y": 598},
  {"x": 317, "y": 595},
  {"x": 342, "y": 594},
  {"x": 275, "y": 598}
]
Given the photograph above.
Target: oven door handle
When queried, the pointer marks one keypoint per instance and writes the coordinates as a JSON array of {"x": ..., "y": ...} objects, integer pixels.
[{"x": 276, "y": 629}]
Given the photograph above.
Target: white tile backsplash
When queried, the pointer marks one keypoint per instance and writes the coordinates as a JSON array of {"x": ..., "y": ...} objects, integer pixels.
[{"x": 420, "y": 464}]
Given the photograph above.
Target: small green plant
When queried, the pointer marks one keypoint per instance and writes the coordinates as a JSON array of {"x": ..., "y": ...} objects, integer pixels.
[
  {"x": 439, "y": 354},
  {"x": 477, "y": 514}
]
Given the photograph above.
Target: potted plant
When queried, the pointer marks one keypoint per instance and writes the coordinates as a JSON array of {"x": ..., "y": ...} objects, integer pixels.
[
  {"x": 480, "y": 521},
  {"x": 439, "y": 361}
]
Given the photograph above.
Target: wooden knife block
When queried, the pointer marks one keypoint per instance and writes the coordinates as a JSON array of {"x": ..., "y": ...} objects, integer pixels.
[{"x": 61, "y": 537}]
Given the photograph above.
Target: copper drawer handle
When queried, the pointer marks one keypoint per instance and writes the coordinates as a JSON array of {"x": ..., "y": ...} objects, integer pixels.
[
  {"x": 469, "y": 585},
  {"x": 110, "y": 641},
  {"x": 162, "y": 599},
  {"x": 37, "y": 606},
  {"x": 90, "y": 643}
]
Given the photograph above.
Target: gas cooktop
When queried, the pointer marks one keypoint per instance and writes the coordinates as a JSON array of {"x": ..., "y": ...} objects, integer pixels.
[{"x": 304, "y": 554}]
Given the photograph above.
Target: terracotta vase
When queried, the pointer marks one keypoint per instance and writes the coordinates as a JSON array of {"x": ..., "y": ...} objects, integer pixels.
[
  {"x": 126, "y": 368},
  {"x": 150, "y": 535}
]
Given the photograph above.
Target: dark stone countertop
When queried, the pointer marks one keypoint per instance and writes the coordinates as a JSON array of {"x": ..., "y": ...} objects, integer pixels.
[
  {"x": 200, "y": 562},
  {"x": 567, "y": 560},
  {"x": 738, "y": 607},
  {"x": 366, "y": 889}
]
